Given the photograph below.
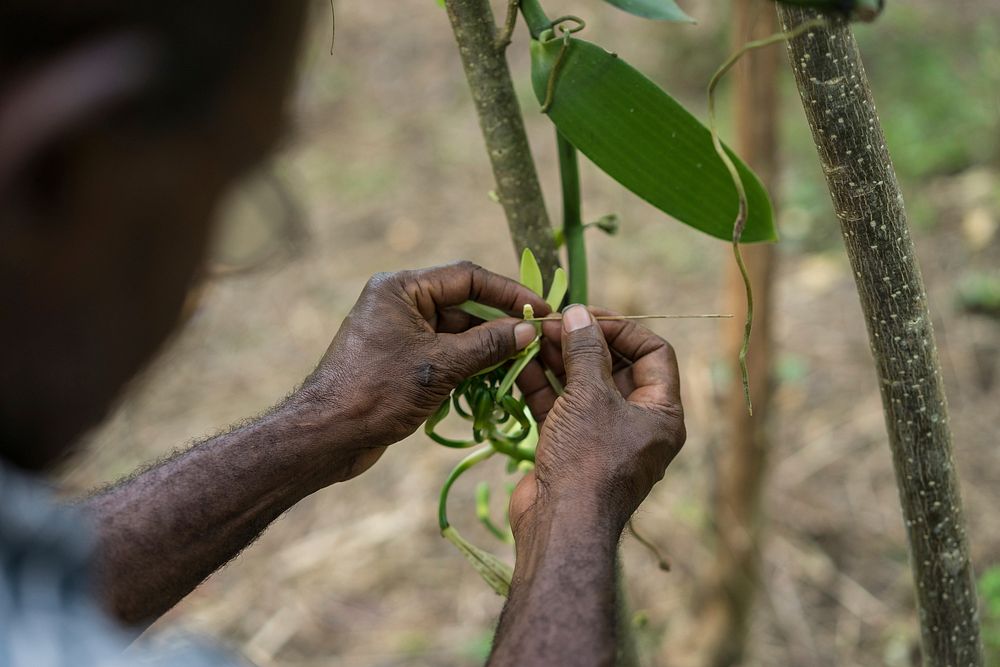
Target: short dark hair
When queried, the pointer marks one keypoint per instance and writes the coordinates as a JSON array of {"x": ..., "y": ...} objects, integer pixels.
[{"x": 202, "y": 41}]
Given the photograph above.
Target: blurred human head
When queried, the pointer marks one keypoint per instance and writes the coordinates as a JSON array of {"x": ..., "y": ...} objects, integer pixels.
[{"x": 121, "y": 124}]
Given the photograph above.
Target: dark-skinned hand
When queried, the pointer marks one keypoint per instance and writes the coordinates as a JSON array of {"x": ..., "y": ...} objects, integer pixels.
[
  {"x": 610, "y": 436},
  {"x": 404, "y": 347}
]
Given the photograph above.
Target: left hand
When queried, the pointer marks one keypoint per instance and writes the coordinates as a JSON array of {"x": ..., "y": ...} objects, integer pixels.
[{"x": 404, "y": 347}]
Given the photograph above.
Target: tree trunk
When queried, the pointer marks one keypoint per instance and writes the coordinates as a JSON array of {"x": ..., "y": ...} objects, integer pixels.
[
  {"x": 503, "y": 128},
  {"x": 729, "y": 591},
  {"x": 842, "y": 116}
]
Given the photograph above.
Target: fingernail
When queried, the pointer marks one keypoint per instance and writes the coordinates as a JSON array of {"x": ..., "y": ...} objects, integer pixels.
[
  {"x": 576, "y": 317},
  {"x": 524, "y": 333}
]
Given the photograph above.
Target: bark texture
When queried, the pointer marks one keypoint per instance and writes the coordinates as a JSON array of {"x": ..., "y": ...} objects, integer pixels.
[
  {"x": 503, "y": 128},
  {"x": 733, "y": 580},
  {"x": 842, "y": 116}
]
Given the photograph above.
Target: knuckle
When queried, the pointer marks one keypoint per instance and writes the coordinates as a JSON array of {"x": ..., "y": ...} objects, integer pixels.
[
  {"x": 379, "y": 281},
  {"x": 671, "y": 425},
  {"x": 669, "y": 350},
  {"x": 464, "y": 266},
  {"x": 495, "y": 344},
  {"x": 587, "y": 349},
  {"x": 680, "y": 437}
]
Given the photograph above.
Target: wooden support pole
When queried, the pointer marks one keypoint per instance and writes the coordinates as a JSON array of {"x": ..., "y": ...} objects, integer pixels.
[{"x": 841, "y": 112}]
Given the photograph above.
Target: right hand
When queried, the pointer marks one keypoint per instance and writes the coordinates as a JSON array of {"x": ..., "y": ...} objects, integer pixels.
[{"x": 609, "y": 437}]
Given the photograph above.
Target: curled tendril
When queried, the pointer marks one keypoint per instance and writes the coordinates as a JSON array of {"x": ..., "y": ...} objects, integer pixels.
[
  {"x": 578, "y": 24},
  {"x": 742, "y": 210},
  {"x": 558, "y": 24}
]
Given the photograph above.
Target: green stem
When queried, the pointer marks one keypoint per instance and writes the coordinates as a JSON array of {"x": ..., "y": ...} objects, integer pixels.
[
  {"x": 628, "y": 651},
  {"x": 535, "y": 17},
  {"x": 483, "y": 512},
  {"x": 573, "y": 229},
  {"x": 472, "y": 459}
]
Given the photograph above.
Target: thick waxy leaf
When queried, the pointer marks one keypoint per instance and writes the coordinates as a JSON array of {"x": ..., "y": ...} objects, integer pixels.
[
  {"x": 531, "y": 275},
  {"x": 557, "y": 292},
  {"x": 663, "y": 10},
  {"x": 640, "y": 136},
  {"x": 485, "y": 313}
]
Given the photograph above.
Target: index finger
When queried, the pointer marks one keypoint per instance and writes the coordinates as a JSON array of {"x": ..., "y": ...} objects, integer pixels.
[
  {"x": 450, "y": 285},
  {"x": 654, "y": 363}
]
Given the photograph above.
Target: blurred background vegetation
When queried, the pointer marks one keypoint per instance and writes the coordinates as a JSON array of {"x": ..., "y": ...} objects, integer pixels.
[{"x": 384, "y": 169}]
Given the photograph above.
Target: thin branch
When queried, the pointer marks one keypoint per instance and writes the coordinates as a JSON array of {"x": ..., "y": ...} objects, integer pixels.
[
  {"x": 502, "y": 125},
  {"x": 507, "y": 34}
]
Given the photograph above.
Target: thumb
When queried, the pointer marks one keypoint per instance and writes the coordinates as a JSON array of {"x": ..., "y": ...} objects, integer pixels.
[
  {"x": 585, "y": 352},
  {"x": 487, "y": 345}
]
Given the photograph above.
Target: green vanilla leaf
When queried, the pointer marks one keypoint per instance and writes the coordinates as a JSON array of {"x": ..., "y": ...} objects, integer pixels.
[
  {"x": 485, "y": 313},
  {"x": 520, "y": 362},
  {"x": 494, "y": 571},
  {"x": 531, "y": 275},
  {"x": 644, "y": 139},
  {"x": 661, "y": 10},
  {"x": 557, "y": 292}
]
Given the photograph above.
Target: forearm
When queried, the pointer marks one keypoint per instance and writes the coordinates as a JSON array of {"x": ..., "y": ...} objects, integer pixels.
[
  {"x": 561, "y": 608},
  {"x": 161, "y": 533}
]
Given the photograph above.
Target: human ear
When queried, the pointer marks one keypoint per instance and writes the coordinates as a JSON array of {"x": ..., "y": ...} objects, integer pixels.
[{"x": 56, "y": 98}]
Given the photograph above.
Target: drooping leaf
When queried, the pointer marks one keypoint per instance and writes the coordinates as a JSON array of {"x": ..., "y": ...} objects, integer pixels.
[
  {"x": 557, "y": 291},
  {"x": 644, "y": 139},
  {"x": 662, "y": 10},
  {"x": 486, "y": 313},
  {"x": 531, "y": 275},
  {"x": 494, "y": 572}
]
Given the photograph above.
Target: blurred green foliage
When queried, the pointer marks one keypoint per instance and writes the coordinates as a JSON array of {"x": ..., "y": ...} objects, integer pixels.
[
  {"x": 980, "y": 293},
  {"x": 939, "y": 103},
  {"x": 936, "y": 78},
  {"x": 989, "y": 592}
]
